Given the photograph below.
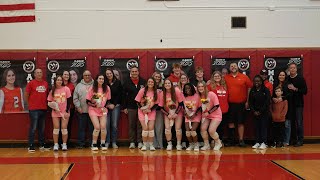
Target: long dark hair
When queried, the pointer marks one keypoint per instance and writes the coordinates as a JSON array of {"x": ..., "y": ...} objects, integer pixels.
[
  {"x": 4, "y": 78},
  {"x": 277, "y": 82},
  {"x": 155, "y": 96},
  {"x": 113, "y": 76},
  {"x": 69, "y": 80},
  {"x": 95, "y": 84},
  {"x": 54, "y": 86},
  {"x": 193, "y": 90},
  {"x": 172, "y": 92}
]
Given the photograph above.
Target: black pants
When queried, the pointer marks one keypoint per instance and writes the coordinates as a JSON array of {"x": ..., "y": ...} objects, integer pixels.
[
  {"x": 278, "y": 129},
  {"x": 261, "y": 123}
]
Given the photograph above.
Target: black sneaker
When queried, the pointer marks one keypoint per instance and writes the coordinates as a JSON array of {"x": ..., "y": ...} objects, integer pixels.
[
  {"x": 31, "y": 148},
  {"x": 44, "y": 146},
  {"x": 242, "y": 144},
  {"x": 80, "y": 147},
  {"x": 103, "y": 147},
  {"x": 298, "y": 144}
]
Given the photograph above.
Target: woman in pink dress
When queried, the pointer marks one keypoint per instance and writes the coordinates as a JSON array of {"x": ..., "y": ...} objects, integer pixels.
[
  {"x": 98, "y": 98},
  {"x": 59, "y": 99},
  {"x": 211, "y": 116},
  {"x": 171, "y": 103},
  {"x": 147, "y": 100},
  {"x": 192, "y": 112}
]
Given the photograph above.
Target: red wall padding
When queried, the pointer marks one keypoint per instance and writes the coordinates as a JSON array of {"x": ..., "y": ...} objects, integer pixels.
[{"x": 20, "y": 122}]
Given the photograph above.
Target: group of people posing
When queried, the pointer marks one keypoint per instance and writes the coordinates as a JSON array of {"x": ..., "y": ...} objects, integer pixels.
[{"x": 197, "y": 109}]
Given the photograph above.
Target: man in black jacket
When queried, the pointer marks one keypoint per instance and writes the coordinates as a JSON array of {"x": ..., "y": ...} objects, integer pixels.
[
  {"x": 130, "y": 90},
  {"x": 297, "y": 87}
]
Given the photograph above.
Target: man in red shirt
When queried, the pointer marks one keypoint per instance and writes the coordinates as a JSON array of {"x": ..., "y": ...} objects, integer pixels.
[
  {"x": 176, "y": 73},
  {"x": 36, "y": 96},
  {"x": 239, "y": 86},
  {"x": 267, "y": 84}
]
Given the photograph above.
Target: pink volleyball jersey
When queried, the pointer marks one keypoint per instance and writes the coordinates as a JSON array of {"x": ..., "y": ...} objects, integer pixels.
[
  {"x": 149, "y": 100},
  {"x": 100, "y": 98},
  {"x": 212, "y": 101},
  {"x": 192, "y": 103},
  {"x": 60, "y": 96}
]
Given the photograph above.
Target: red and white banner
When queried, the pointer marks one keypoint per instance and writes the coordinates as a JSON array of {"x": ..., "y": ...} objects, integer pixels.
[{"x": 12, "y": 11}]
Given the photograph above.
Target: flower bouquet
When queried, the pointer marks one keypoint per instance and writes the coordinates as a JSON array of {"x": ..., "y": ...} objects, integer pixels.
[
  {"x": 189, "y": 112},
  {"x": 172, "y": 112},
  {"x": 98, "y": 100},
  {"x": 144, "y": 106},
  {"x": 54, "y": 105},
  {"x": 204, "y": 106}
]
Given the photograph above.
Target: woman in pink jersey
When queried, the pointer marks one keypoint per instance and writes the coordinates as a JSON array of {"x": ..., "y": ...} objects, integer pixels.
[
  {"x": 211, "y": 116},
  {"x": 192, "y": 108},
  {"x": 147, "y": 100},
  {"x": 219, "y": 87},
  {"x": 171, "y": 103},
  {"x": 59, "y": 99},
  {"x": 98, "y": 98}
]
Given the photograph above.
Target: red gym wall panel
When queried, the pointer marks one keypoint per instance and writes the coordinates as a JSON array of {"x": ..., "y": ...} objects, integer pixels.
[{"x": 202, "y": 58}]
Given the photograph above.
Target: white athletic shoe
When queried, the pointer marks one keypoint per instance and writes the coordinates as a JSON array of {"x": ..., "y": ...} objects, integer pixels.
[
  {"x": 191, "y": 147},
  {"x": 151, "y": 147},
  {"x": 256, "y": 146},
  {"x": 140, "y": 145},
  {"x": 132, "y": 146},
  {"x": 56, "y": 147},
  {"x": 179, "y": 147},
  {"x": 169, "y": 147},
  {"x": 217, "y": 146},
  {"x": 114, "y": 146},
  {"x": 143, "y": 148},
  {"x": 263, "y": 146},
  {"x": 94, "y": 147},
  {"x": 205, "y": 147},
  {"x": 196, "y": 147},
  {"x": 64, "y": 147}
]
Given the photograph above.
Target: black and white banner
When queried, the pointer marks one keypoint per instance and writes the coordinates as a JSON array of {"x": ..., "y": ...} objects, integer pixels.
[
  {"x": 276, "y": 64},
  {"x": 15, "y": 73},
  {"x": 120, "y": 66},
  {"x": 217, "y": 64},
  {"x": 164, "y": 66},
  {"x": 56, "y": 67}
]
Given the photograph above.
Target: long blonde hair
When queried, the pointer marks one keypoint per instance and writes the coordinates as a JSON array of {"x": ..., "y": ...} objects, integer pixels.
[
  {"x": 222, "y": 82},
  {"x": 205, "y": 93}
]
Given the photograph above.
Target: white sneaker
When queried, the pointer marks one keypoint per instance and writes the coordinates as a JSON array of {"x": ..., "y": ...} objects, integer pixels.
[
  {"x": 143, "y": 148},
  {"x": 140, "y": 145},
  {"x": 64, "y": 147},
  {"x": 104, "y": 147},
  {"x": 151, "y": 147},
  {"x": 256, "y": 146},
  {"x": 217, "y": 146},
  {"x": 94, "y": 147},
  {"x": 114, "y": 146},
  {"x": 56, "y": 147},
  {"x": 196, "y": 147},
  {"x": 169, "y": 147},
  {"x": 205, "y": 147},
  {"x": 179, "y": 147},
  {"x": 132, "y": 146},
  {"x": 263, "y": 146},
  {"x": 191, "y": 147}
]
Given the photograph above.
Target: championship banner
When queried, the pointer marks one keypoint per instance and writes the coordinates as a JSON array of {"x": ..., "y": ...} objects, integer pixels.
[
  {"x": 164, "y": 66},
  {"x": 217, "y": 64},
  {"x": 120, "y": 66},
  {"x": 15, "y": 74},
  {"x": 56, "y": 67},
  {"x": 276, "y": 64}
]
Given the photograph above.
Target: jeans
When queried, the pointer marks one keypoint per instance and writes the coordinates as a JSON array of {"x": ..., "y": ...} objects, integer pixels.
[
  {"x": 287, "y": 134},
  {"x": 299, "y": 124},
  {"x": 112, "y": 124},
  {"x": 135, "y": 128},
  {"x": 158, "y": 129},
  {"x": 37, "y": 120},
  {"x": 278, "y": 131},
  {"x": 84, "y": 122}
]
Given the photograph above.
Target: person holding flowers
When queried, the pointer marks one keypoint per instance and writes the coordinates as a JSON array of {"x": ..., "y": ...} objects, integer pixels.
[
  {"x": 147, "y": 100},
  {"x": 171, "y": 103},
  {"x": 211, "y": 116},
  {"x": 98, "y": 99},
  {"x": 59, "y": 100},
  {"x": 192, "y": 107}
]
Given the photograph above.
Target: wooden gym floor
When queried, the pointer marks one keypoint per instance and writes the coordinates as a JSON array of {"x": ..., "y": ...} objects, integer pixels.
[{"x": 229, "y": 163}]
